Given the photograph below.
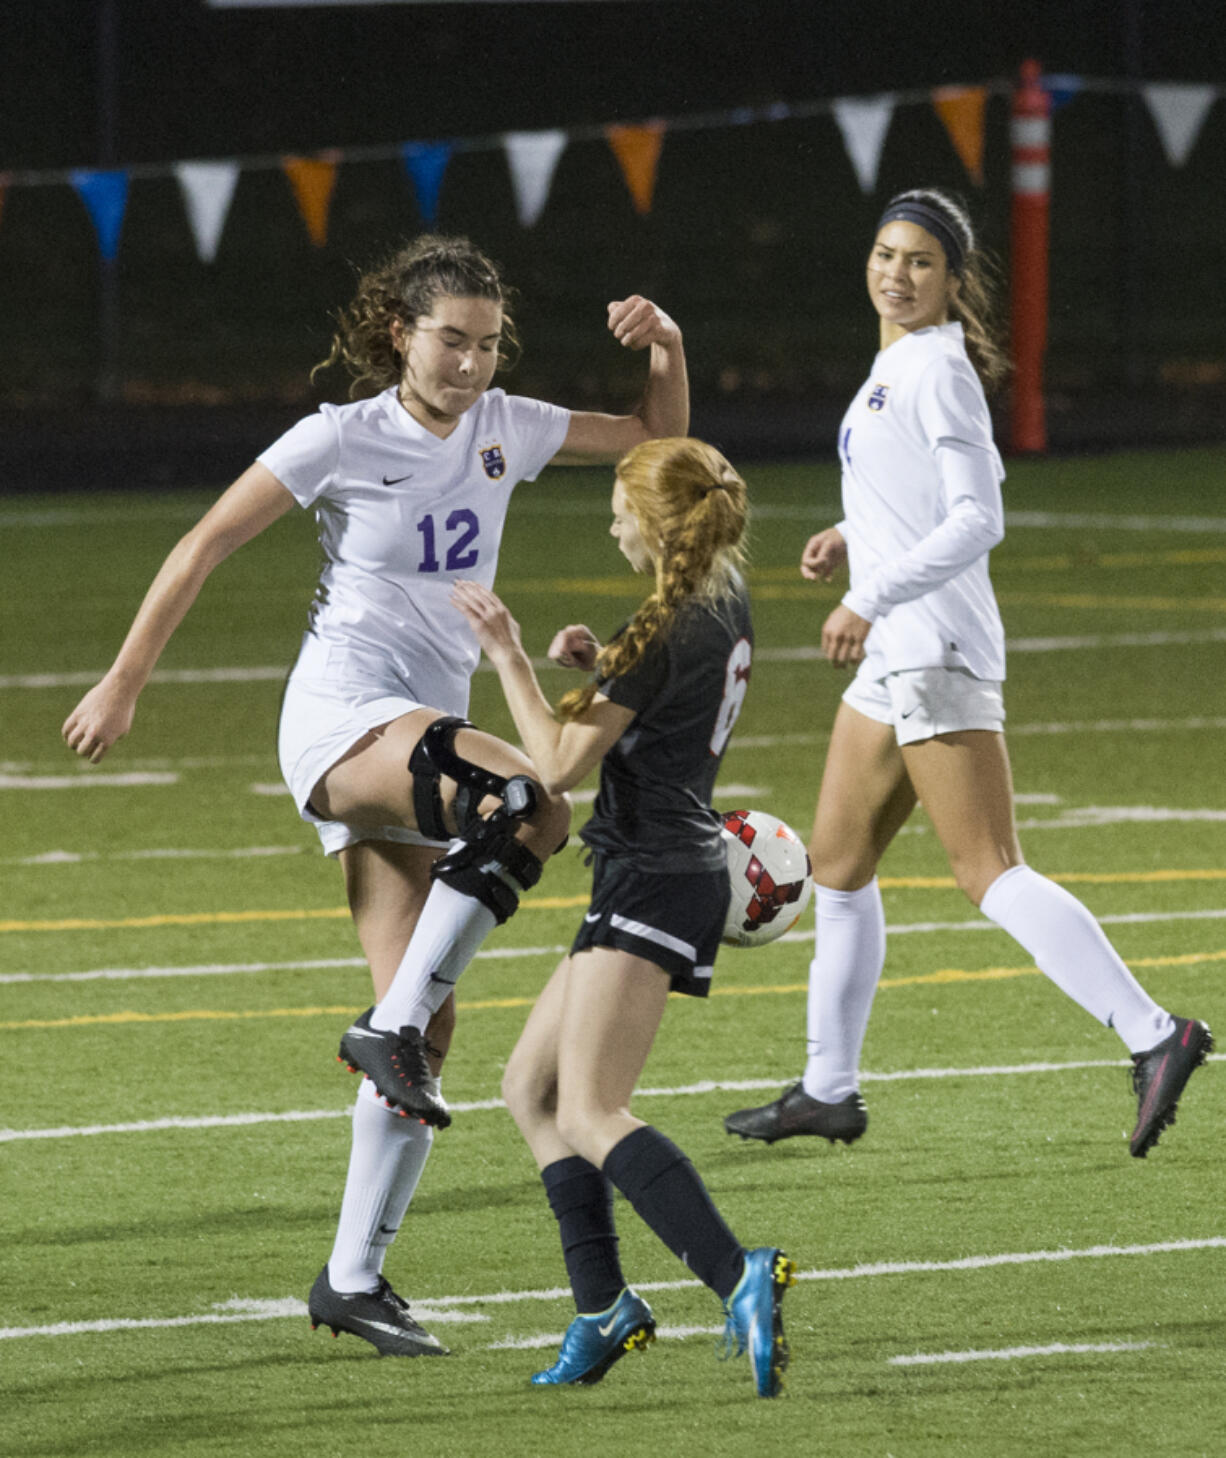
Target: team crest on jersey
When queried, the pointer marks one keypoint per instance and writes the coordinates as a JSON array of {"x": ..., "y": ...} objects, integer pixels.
[
  {"x": 494, "y": 461},
  {"x": 876, "y": 397}
]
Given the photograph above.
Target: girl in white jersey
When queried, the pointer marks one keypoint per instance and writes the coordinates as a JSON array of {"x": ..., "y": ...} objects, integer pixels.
[
  {"x": 923, "y": 718},
  {"x": 410, "y": 489}
]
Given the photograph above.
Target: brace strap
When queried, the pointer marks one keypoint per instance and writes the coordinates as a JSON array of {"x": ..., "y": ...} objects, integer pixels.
[{"x": 434, "y": 756}]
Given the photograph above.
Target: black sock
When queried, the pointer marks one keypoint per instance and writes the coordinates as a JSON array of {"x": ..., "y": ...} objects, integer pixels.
[
  {"x": 666, "y": 1192},
  {"x": 582, "y": 1202}
]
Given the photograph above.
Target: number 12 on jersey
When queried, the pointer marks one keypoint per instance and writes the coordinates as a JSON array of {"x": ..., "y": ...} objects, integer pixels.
[{"x": 460, "y": 530}]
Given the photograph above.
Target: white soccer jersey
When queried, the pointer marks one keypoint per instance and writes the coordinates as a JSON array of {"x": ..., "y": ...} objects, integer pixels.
[
  {"x": 402, "y": 515},
  {"x": 921, "y": 497}
]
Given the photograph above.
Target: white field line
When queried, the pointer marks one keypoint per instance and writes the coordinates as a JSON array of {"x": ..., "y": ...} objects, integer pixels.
[
  {"x": 1105, "y": 519},
  {"x": 1008, "y": 1354},
  {"x": 818, "y": 511},
  {"x": 222, "y": 969},
  {"x": 578, "y": 797},
  {"x": 237, "y": 1309},
  {"x": 1118, "y": 726},
  {"x": 171, "y": 853},
  {"x": 276, "y": 673},
  {"x": 1088, "y": 817},
  {"x": 1067, "y": 726},
  {"x": 219, "y": 969},
  {"x": 1079, "y": 817},
  {"x": 103, "y": 780},
  {"x": 485, "y": 1106}
]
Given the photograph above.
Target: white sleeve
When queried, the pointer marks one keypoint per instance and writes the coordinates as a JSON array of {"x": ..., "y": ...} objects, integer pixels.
[
  {"x": 305, "y": 458},
  {"x": 973, "y": 524},
  {"x": 541, "y": 428}
]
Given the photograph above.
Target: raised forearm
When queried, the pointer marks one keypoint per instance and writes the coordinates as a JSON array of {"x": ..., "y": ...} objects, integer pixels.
[{"x": 665, "y": 408}]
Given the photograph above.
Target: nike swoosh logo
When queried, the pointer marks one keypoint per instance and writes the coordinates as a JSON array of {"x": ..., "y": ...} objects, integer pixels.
[
  {"x": 605, "y": 1330},
  {"x": 908, "y": 714},
  {"x": 590, "y": 916},
  {"x": 397, "y": 480},
  {"x": 377, "y": 1325}
]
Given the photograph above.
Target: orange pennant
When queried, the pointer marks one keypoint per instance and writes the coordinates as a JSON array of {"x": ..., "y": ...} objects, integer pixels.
[
  {"x": 961, "y": 108},
  {"x": 312, "y": 179},
  {"x": 637, "y": 150}
]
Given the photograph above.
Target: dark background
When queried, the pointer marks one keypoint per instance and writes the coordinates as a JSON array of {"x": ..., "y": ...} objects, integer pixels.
[{"x": 755, "y": 240}]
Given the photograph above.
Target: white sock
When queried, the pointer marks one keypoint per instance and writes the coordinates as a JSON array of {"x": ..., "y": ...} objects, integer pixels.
[
  {"x": 386, "y": 1159},
  {"x": 451, "y": 928},
  {"x": 1071, "y": 948},
  {"x": 848, "y": 958}
]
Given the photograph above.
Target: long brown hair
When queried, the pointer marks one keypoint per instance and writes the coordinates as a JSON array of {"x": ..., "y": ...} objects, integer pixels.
[
  {"x": 686, "y": 498},
  {"x": 404, "y": 287},
  {"x": 975, "y": 303}
]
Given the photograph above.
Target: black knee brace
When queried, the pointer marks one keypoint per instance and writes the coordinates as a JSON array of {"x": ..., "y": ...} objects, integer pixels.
[
  {"x": 434, "y": 756},
  {"x": 489, "y": 864}
]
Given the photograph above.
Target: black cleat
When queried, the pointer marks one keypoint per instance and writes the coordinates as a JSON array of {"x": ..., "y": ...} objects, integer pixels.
[
  {"x": 379, "y": 1317},
  {"x": 1158, "y": 1077},
  {"x": 396, "y": 1064},
  {"x": 794, "y": 1112}
]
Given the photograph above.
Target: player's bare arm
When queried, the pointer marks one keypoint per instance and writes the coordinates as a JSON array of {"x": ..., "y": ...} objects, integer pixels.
[
  {"x": 106, "y": 712},
  {"x": 563, "y": 754},
  {"x": 636, "y": 323}
]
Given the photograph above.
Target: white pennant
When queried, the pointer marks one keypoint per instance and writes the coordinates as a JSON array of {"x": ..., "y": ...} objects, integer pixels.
[
  {"x": 208, "y": 188},
  {"x": 533, "y": 157},
  {"x": 1179, "y": 113},
  {"x": 864, "y": 121}
]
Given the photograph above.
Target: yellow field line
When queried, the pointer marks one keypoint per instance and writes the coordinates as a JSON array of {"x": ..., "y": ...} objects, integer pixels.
[
  {"x": 228, "y": 1015},
  {"x": 1014, "y": 597},
  {"x": 1098, "y": 878},
  {"x": 557, "y": 903},
  {"x": 1114, "y": 600},
  {"x": 225, "y": 918},
  {"x": 789, "y": 574}
]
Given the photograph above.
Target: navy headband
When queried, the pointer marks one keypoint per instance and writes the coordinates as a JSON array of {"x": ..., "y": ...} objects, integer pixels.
[{"x": 912, "y": 210}]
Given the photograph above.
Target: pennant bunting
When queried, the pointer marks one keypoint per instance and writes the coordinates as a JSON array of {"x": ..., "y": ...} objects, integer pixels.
[
  {"x": 1179, "y": 113},
  {"x": 313, "y": 179},
  {"x": 1061, "y": 89},
  {"x": 961, "y": 108},
  {"x": 637, "y": 150},
  {"x": 105, "y": 195},
  {"x": 208, "y": 188},
  {"x": 864, "y": 121},
  {"x": 533, "y": 158},
  {"x": 425, "y": 162}
]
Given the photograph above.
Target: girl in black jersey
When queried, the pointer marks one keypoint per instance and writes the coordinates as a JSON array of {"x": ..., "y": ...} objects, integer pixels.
[{"x": 656, "y": 718}]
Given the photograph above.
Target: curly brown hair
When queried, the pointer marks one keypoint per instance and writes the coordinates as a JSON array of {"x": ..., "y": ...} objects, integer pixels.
[
  {"x": 687, "y": 498},
  {"x": 404, "y": 287}
]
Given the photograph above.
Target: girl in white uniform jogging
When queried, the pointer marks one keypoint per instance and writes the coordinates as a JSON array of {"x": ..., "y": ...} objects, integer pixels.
[
  {"x": 922, "y": 721},
  {"x": 656, "y": 718},
  {"x": 410, "y": 489}
]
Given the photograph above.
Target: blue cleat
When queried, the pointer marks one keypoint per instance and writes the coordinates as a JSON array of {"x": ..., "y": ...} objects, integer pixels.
[
  {"x": 593, "y": 1343},
  {"x": 755, "y": 1317}
]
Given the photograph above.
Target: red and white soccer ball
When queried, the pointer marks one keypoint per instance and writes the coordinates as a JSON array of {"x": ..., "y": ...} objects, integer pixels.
[{"x": 770, "y": 874}]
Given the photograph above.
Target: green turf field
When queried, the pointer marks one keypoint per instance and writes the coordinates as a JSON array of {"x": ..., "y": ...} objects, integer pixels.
[{"x": 987, "y": 1272}]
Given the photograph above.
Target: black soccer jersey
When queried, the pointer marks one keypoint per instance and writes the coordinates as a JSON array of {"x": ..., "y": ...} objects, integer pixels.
[{"x": 654, "y": 802}]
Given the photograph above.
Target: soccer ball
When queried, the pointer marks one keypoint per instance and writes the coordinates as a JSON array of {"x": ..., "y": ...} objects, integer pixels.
[{"x": 770, "y": 874}]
